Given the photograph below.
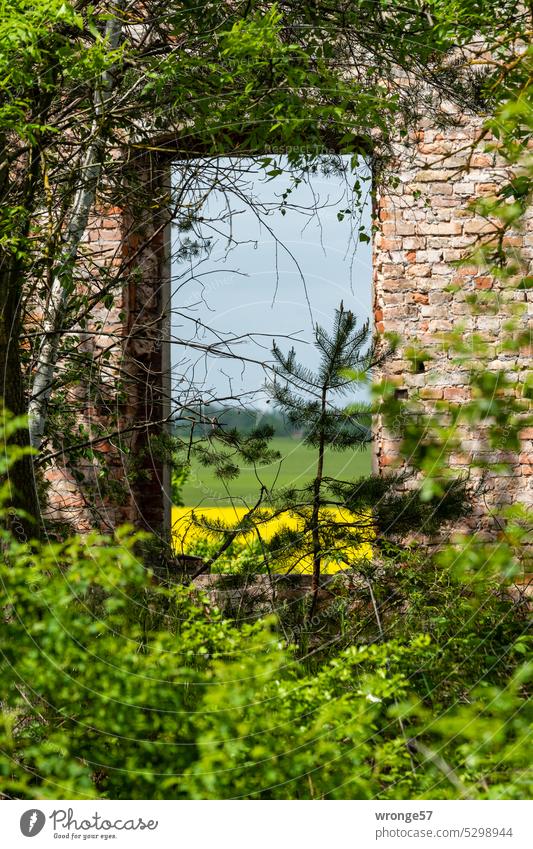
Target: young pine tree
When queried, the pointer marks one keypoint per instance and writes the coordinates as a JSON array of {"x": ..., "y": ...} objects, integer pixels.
[
  {"x": 336, "y": 517},
  {"x": 310, "y": 401}
]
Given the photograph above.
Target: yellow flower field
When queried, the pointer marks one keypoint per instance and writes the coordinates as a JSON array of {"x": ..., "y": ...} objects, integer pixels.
[{"x": 185, "y": 533}]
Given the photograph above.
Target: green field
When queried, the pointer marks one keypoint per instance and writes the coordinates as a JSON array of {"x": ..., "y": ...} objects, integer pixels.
[{"x": 296, "y": 467}]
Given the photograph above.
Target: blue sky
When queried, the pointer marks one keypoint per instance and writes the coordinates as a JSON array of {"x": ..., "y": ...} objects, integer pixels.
[{"x": 272, "y": 275}]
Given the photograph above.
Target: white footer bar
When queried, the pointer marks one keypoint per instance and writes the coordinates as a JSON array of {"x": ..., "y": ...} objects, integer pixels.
[{"x": 268, "y": 825}]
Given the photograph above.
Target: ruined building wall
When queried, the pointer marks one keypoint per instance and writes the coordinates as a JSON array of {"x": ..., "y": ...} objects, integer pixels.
[
  {"x": 122, "y": 402},
  {"x": 424, "y": 225}
]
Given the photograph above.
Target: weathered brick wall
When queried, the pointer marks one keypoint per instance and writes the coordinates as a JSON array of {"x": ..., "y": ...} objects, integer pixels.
[
  {"x": 121, "y": 402},
  {"x": 93, "y": 400},
  {"x": 424, "y": 225}
]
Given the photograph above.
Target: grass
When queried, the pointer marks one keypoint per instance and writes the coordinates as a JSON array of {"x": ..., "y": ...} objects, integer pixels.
[{"x": 297, "y": 466}]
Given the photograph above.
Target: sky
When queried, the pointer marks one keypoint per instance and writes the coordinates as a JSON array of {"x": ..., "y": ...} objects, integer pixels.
[{"x": 274, "y": 276}]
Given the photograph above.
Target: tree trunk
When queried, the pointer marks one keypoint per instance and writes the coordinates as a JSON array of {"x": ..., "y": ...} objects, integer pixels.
[
  {"x": 20, "y": 476},
  {"x": 82, "y": 204},
  {"x": 23, "y": 493},
  {"x": 315, "y": 516}
]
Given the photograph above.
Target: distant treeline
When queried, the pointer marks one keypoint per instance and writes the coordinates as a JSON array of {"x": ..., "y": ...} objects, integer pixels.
[{"x": 244, "y": 419}]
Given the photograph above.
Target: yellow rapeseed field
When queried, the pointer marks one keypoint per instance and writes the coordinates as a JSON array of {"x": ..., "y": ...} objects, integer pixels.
[{"x": 185, "y": 533}]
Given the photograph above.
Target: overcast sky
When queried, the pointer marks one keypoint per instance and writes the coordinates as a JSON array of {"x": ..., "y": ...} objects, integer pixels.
[{"x": 246, "y": 282}]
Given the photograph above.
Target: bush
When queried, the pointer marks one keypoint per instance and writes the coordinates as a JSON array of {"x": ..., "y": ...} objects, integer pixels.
[
  {"x": 117, "y": 687},
  {"x": 100, "y": 702}
]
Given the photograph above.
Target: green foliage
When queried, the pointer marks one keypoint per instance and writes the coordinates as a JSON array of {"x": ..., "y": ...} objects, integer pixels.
[
  {"x": 242, "y": 557},
  {"x": 46, "y": 47},
  {"x": 180, "y": 474},
  {"x": 241, "y": 418},
  {"x": 466, "y": 600},
  {"x": 223, "y": 452},
  {"x": 116, "y": 687},
  {"x": 101, "y": 701}
]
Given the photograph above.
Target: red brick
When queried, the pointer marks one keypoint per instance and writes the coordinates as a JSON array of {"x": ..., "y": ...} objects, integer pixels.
[
  {"x": 456, "y": 393},
  {"x": 481, "y": 160},
  {"x": 466, "y": 271},
  {"x": 486, "y": 188},
  {"x": 391, "y": 244},
  {"x": 419, "y": 270}
]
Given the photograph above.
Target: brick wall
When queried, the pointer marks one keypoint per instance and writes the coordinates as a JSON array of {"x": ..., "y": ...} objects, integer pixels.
[
  {"x": 424, "y": 225},
  {"x": 124, "y": 392},
  {"x": 93, "y": 400}
]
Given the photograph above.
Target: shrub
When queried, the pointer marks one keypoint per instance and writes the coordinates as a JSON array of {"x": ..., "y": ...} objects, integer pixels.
[{"x": 114, "y": 686}]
